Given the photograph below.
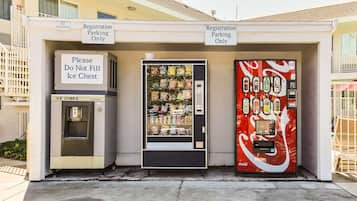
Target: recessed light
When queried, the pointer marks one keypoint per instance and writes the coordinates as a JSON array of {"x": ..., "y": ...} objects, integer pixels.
[{"x": 131, "y": 8}]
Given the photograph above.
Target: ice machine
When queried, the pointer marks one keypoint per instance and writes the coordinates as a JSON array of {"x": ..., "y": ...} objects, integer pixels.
[{"x": 83, "y": 110}]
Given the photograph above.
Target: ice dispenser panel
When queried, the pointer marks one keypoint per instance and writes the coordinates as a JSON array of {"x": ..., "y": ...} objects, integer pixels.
[{"x": 77, "y": 128}]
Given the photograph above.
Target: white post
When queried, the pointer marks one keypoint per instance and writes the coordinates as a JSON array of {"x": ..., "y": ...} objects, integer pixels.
[
  {"x": 37, "y": 142},
  {"x": 324, "y": 109}
]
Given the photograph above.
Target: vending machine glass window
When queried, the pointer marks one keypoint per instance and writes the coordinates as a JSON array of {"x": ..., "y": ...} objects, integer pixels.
[{"x": 169, "y": 101}]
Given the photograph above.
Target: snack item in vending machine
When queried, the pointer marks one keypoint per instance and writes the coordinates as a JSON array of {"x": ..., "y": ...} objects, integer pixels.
[
  {"x": 172, "y": 84},
  {"x": 266, "y": 106},
  {"x": 188, "y": 70},
  {"x": 163, "y": 83},
  {"x": 256, "y": 106},
  {"x": 180, "y": 71},
  {"x": 155, "y": 130},
  {"x": 154, "y": 70},
  {"x": 164, "y": 130},
  {"x": 155, "y": 85},
  {"x": 188, "y": 119},
  {"x": 178, "y": 120},
  {"x": 154, "y": 95},
  {"x": 173, "y": 130},
  {"x": 189, "y": 131},
  {"x": 172, "y": 107},
  {"x": 246, "y": 84},
  {"x": 256, "y": 84},
  {"x": 188, "y": 109},
  {"x": 152, "y": 120},
  {"x": 246, "y": 106},
  {"x": 181, "y": 131},
  {"x": 163, "y": 70},
  {"x": 164, "y": 96},
  {"x": 266, "y": 84},
  {"x": 155, "y": 108},
  {"x": 188, "y": 84},
  {"x": 277, "y": 84},
  {"x": 172, "y": 97},
  {"x": 276, "y": 106},
  {"x": 164, "y": 108},
  {"x": 180, "y": 96},
  {"x": 187, "y": 94},
  {"x": 171, "y": 71},
  {"x": 181, "y": 84}
]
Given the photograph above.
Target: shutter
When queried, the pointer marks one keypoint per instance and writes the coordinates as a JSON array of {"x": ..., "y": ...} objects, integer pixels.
[
  {"x": 49, "y": 7},
  {"x": 68, "y": 10}
]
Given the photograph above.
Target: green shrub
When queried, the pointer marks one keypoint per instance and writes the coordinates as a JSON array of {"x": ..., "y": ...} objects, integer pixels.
[{"x": 14, "y": 149}]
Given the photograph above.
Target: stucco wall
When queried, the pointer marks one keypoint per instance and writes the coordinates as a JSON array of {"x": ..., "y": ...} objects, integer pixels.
[
  {"x": 88, "y": 9},
  {"x": 220, "y": 94},
  {"x": 8, "y": 123},
  {"x": 341, "y": 28}
]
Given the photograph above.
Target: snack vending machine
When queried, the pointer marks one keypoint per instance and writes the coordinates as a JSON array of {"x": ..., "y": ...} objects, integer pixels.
[
  {"x": 266, "y": 103},
  {"x": 174, "y": 114}
]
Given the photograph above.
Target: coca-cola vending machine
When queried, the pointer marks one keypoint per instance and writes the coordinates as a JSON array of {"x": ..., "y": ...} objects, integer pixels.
[{"x": 266, "y": 106}]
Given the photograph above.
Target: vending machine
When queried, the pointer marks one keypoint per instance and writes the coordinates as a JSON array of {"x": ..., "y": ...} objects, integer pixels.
[
  {"x": 266, "y": 103},
  {"x": 83, "y": 110},
  {"x": 174, "y": 114}
]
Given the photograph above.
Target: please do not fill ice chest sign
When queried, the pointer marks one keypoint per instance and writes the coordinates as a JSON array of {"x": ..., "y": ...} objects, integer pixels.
[
  {"x": 221, "y": 35},
  {"x": 78, "y": 70},
  {"x": 82, "y": 69}
]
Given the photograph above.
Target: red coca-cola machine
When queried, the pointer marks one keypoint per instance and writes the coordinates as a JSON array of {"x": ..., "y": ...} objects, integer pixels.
[{"x": 266, "y": 103}]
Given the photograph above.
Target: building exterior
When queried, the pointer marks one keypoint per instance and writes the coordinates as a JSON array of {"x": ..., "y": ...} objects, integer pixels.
[
  {"x": 14, "y": 87},
  {"x": 309, "y": 43},
  {"x": 344, "y": 75}
]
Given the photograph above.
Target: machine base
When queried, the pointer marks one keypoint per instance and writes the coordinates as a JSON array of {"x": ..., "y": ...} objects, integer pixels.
[
  {"x": 77, "y": 162},
  {"x": 174, "y": 159}
]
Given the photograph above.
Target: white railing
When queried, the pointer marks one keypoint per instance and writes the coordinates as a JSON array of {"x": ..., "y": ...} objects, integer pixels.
[
  {"x": 344, "y": 63},
  {"x": 14, "y": 77},
  {"x": 344, "y": 126}
]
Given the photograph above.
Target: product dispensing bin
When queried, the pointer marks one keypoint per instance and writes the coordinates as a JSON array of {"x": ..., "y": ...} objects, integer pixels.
[{"x": 83, "y": 110}]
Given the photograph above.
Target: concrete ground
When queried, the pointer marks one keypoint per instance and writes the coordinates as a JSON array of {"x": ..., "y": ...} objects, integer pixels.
[
  {"x": 347, "y": 182},
  {"x": 13, "y": 185},
  {"x": 185, "y": 191},
  {"x": 134, "y": 184}
]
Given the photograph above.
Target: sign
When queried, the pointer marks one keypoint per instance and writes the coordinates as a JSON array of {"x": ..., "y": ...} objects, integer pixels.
[
  {"x": 63, "y": 25},
  {"x": 225, "y": 35},
  {"x": 96, "y": 33},
  {"x": 82, "y": 69}
]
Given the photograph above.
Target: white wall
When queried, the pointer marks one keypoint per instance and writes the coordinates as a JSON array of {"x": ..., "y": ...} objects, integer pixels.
[
  {"x": 220, "y": 93},
  {"x": 309, "y": 112},
  {"x": 9, "y": 123}
]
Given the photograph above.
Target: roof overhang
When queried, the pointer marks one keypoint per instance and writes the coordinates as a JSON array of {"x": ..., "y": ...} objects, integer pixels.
[{"x": 183, "y": 31}]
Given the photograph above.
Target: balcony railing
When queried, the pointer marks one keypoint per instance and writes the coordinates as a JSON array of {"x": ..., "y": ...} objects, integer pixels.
[
  {"x": 344, "y": 63},
  {"x": 14, "y": 79}
]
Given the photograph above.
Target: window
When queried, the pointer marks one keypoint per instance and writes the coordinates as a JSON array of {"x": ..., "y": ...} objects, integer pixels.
[
  {"x": 349, "y": 44},
  {"x": 5, "y": 9},
  {"x": 101, "y": 15},
  {"x": 48, "y": 7},
  {"x": 68, "y": 10}
]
